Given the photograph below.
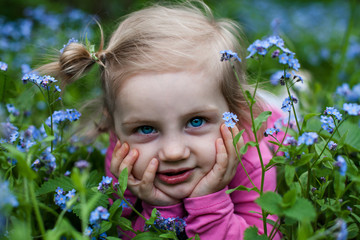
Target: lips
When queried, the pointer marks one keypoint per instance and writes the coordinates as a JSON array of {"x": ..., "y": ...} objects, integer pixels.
[{"x": 174, "y": 176}]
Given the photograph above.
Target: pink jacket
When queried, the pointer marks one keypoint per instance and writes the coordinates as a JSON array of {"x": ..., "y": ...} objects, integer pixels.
[{"x": 218, "y": 215}]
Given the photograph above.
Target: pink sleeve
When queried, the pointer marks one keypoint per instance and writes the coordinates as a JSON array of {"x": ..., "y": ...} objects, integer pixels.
[
  {"x": 128, "y": 195},
  {"x": 223, "y": 216}
]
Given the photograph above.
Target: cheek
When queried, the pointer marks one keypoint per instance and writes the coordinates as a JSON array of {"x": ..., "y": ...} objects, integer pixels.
[
  {"x": 145, "y": 155},
  {"x": 207, "y": 152}
]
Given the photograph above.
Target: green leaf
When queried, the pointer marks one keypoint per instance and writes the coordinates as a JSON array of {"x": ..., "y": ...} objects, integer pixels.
[
  {"x": 147, "y": 236},
  {"x": 305, "y": 231},
  {"x": 47, "y": 129},
  {"x": 260, "y": 119},
  {"x": 197, "y": 237},
  {"x": 152, "y": 218},
  {"x": 113, "y": 238},
  {"x": 104, "y": 226},
  {"x": 123, "y": 223},
  {"x": 339, "y": 184},
  {"x": 115, "y": 206},
  {"x": 276, "y": 159},
  {"x": 275, "y": 143},
  {"x": 77, "y": 180},
  {"x": 63, "y": 227},
  {"x": 242, "y": 188},
  {"x": 237, "y": 137},
  {"x": 123, "y": 177},
  {"x": 51, "y": 185},
  {"x": 249, "y": 97},
  {"x": 307, "y": 117},
  {"x": 23, "y": 167},
  {"x": 244, "y": 148},
  {"x": 94, "y": 179},
  {"x": 251, "y": 233},
  {"x": 289, "y": 174},
  {"x": 302, "y": 210},
  {"x": 289, "y": 198},
  {"x": 271, "y": 202},
  {"x": 168, "y": 235},
  {"x": 305, "y": 158}
]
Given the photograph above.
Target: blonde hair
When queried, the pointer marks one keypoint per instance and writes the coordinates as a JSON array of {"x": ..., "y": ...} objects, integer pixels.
[{"x": 162, "y": 38}]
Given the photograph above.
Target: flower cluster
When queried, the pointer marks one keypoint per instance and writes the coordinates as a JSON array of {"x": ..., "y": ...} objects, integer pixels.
[
  {"x": 271, "y": 131},
  {"x": 63, "y": 115},
  {"x": 61, "y": 197},
  {"x": 333, "y": 112},
  {"x": 286, "y": 105},
  {"x": 43, "y": 81},
  {"x": 230, "y": 119},
  {"x": 71, "y": 40},
  {"x": 290, "y": 140},
  {"x": 104, "y": 184},
  {"x": 9, "y": 133},
  {"x": 176, "y": 225},
  {"x": 308, "y": 138},
  {"x": 99, "y": 214},
  {"x": 7, "y": 198},
  {"x": 48, "y": 160},
  {"x": 262, "y": 47},
  {"x": 341, "y": 164},
  {"x": 332, "y": 145},
  {"x": 352, "y": 108},
  {"x": 12, "y": 110},
  {"x": 82, "y": 164},
  {"x": 227, "y": 55},
  {"x": 3, "y": 66},
  {"x": 351, "y": 95}
]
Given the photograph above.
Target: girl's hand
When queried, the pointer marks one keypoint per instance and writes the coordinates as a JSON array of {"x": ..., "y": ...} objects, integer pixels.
[
  {"x": 225, "y": 165},
  {"x": 144, "y": 188}
]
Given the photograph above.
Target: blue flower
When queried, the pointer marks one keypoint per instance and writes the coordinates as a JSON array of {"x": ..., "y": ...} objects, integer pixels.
[
  {"x": 9, "y": 132},
  {"x": 327, "y": 123},
  {"x": 290, "y": 140},
  {"x": 99, "y": 214},
  {"x": 104, "y": 184},
  {"x": 71, "y": 40},
  {"x": 59, "y": 190},
  {"x": 286, "y": 105},
  {"x": 88, "y": 231},
  {"x": 228, "y": 54},
  {"x": 308, "y": 138},
  {"x": 334, "y": 112},
  {"x": 283, "y": 58},
  {"x": 3, "y": 66},
  {"x": 71, "y": 194},
  {"x": 341, "y": 164},
  {"x": 271, "y": 132},
  {"x": 279, "y": 76},
  {"x": 352, "y": 108},
  {"x": 230, "y": 119},
  {"x": 6, "y": 197},
  {"x": 176, "y": 225},
  {"x": 12, "y": 110},
  {"x": 332, "y": 145},
  {"x": 343, "y": 233},
  {"x": 298, "y": 77},
  {"x": 82, "y": 164}
]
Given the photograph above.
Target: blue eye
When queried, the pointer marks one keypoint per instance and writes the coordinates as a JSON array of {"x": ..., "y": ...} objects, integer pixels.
[
  {"x": 196, "y": 122},
  {"x": 146, "y": 130}
]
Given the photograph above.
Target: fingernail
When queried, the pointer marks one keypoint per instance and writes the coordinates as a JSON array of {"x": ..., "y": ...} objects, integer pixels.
[{"x": 153, "y": 161}]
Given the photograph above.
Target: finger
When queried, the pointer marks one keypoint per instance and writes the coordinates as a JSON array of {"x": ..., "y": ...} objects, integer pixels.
[
  {"x": 129, "y": 161},
  {"x": 227, "y": 137},
  {"x": 221, "y": 163},
  {"x": 149, "y": 176},
  {"x": 120, "y": 152}
]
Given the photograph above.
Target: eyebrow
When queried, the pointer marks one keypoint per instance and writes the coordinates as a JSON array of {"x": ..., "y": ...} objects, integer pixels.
[{"x": 136, "y": 121}]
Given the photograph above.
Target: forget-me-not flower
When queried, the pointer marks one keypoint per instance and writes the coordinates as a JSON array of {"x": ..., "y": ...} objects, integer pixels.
[
  {"x": 308, "y": 138},
  {"x": 341, "y": 164},
  {"x": 352, "y": 108},
  {"x": 230, "y": 119},
  {"x": 228, "y": 55}
]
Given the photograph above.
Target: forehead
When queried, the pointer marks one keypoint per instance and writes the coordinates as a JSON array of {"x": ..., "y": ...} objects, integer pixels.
[{"x": 161, "y": 92}]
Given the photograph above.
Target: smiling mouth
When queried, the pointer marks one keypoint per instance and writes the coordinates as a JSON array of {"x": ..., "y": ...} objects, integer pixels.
[{"x": 174, "y": 177}]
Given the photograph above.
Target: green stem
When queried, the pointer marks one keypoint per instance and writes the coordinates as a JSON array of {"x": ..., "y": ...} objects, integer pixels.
[
  {"x": 240, "y": 160},
  {"x": 84, "y": 212},
  {"x": 293, "y": 107},
  {"x": 131, "y": 206},
  {"x": 36, "y": 209}
]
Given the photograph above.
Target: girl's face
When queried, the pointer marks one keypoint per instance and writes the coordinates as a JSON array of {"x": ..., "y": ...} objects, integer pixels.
[{"x": 176, "y": 118}]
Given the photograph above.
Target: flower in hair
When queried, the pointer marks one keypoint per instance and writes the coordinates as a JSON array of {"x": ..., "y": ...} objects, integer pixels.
[
  {"x": 71, "y": 40},
  {"x": 228, "y": 54}
]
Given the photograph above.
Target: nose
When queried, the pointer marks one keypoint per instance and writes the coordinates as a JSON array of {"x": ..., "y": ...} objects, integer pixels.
[{"x": 173, "y": 148}]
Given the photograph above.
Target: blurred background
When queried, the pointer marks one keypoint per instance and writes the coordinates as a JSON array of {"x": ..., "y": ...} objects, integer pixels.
[{"x": 325, "y": 35}]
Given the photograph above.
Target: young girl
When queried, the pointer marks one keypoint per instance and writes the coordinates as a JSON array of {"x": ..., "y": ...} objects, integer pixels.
[{"x": 165, "y": 90}]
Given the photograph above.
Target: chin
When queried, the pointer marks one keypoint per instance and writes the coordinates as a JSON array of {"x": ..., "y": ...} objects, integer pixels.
[{"x": 177, "y": 192}]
